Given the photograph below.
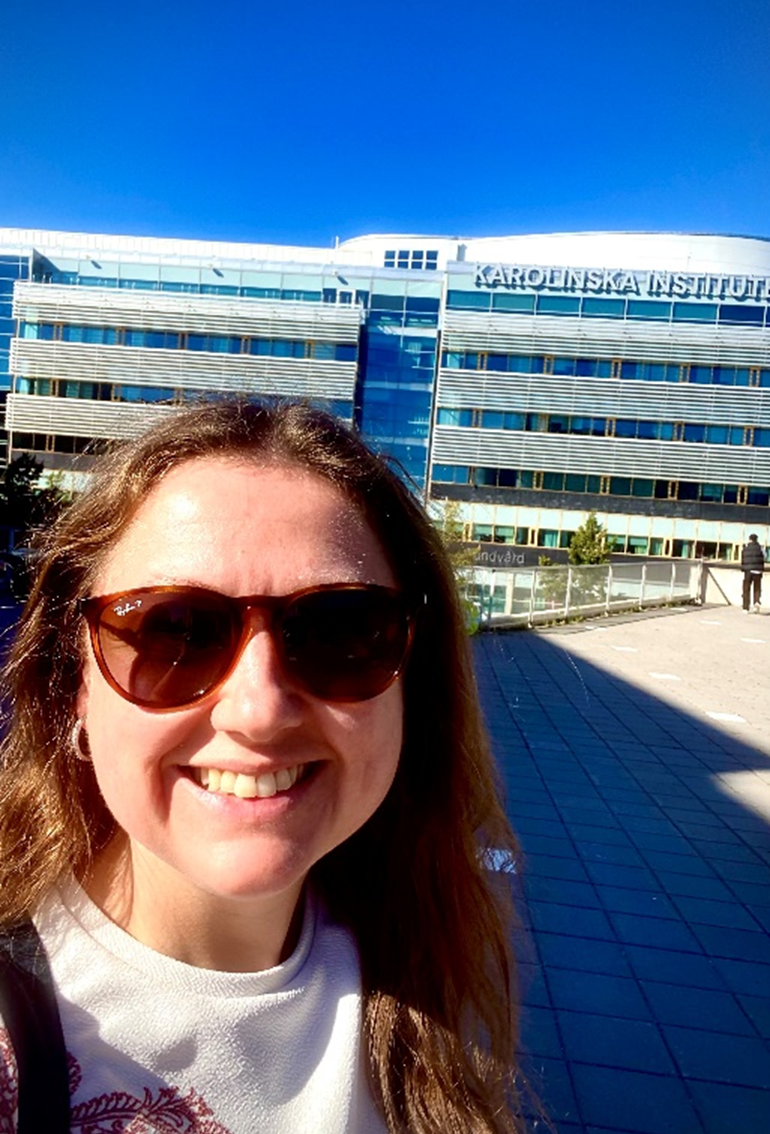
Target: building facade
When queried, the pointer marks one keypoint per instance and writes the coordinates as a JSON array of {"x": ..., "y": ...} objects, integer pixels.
[{"x": 531, "y": 378}]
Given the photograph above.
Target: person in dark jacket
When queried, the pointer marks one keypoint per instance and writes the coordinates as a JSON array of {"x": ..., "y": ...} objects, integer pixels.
[{"x": 753, "y": 564}]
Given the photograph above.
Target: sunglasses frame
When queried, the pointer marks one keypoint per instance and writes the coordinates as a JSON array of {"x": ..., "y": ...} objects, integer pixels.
[{"x": 274, "y": 607}]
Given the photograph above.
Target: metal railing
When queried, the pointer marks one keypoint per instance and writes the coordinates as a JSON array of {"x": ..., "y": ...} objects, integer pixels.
[{"x": 532, "y": 596}]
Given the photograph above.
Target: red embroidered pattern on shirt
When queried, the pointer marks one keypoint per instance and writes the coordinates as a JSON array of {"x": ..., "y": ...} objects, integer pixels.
[
  {"x": 161, "y": 1111},
  {"x": 9, "y": 1084}
]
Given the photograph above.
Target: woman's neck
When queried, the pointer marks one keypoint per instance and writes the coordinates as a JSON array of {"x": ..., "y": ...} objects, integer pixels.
[{"x": 149, "y": 900}]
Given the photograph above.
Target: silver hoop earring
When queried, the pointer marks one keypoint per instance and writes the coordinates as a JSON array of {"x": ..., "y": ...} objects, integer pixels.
[{"x": 79, "y": 740}]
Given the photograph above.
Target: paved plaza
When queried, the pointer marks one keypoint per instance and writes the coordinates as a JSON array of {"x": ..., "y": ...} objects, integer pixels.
[{"x": 636, "y": 759}]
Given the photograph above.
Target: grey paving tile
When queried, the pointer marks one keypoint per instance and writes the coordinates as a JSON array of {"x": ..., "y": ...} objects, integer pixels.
[
  {"x": 714, "y": 851},
  {"x": 546, "y": 844},
  {"x": 758, "y": 1009},
  {"x": 695, "y": 886},
  {"x": 757, "y": 872},
  {"x": 633, "y": 1101},
  {"x": 736, "y": 944},
  {"x": 552, "y": 918},
  {"x": 677, "y": 863},
  {"x": 741, "y": 1060},
  {"x": 728, "y": 914},
  {"x": 605, "y": 852},
  {"x": 627, "y": 877},
  {"x": 645, "y": 903},
  {"x": 558, "y": 890},
  {"x": 611, "y": 1042},
  {"x": 669, "y": 966},
  {"x": 707, "y": 1009},
  {"x": 662, "y": 933},
  {"x": 548, "y": 866},
  {"x": 743, "y": 976},
  {"x": 731, "y": 1110},
  {"x": 563, "y": 952},
  {"x": 596, "y": 994}
]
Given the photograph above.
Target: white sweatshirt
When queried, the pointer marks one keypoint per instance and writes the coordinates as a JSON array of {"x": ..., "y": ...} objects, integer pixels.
[{"x": 157, "y": 1046}]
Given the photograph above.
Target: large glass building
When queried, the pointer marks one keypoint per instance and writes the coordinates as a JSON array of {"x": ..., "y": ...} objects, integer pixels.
[{"x": 531, "y": 378}]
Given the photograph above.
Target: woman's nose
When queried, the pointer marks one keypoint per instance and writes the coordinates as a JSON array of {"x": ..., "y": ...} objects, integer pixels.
[{"x": 257, "y": 699}]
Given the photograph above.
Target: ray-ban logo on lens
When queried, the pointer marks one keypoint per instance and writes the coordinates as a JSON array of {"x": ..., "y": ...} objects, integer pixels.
[{"x": 129, "y": 606}]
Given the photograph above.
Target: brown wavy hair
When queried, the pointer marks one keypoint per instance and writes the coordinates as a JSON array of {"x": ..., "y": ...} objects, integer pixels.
[{"x": 431, "y": 919}]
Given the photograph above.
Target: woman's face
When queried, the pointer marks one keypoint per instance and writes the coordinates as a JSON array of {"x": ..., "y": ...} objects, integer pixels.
[{"x": 242, "y": 529}]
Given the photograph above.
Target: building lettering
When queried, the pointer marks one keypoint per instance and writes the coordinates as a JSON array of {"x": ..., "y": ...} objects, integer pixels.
[{"x": 622, "y": 281}]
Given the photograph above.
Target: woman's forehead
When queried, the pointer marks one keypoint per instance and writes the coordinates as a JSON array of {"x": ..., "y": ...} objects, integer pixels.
[{"x": 248, "y": 513}]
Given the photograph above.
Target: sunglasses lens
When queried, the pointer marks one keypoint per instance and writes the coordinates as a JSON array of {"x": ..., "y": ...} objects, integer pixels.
[
  {"x": 166, "y": 650},
  {"x": 347, "y": 644}
]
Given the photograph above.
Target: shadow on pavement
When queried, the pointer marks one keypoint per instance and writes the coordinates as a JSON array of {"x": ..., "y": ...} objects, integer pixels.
[{"x": 645, "y": 899}]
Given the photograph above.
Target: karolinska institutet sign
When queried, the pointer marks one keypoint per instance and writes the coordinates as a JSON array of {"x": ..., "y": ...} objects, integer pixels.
[{"x": 620, "y": 281}]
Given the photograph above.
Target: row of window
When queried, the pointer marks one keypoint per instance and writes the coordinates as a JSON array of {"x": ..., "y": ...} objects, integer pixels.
[
  {"x": 640, "y": 487},
  {"x": 107, "y": 392},
  {"x": 589, "y": 307},
  {"x": 626, "y": 428},
  {"x": 187, "y": 340},
  {"x": 414, "y": 259},
  {"x": 628, "y": 545},
  {"x": 344, "y": 296},
  {"x": 606, "y": 368}
]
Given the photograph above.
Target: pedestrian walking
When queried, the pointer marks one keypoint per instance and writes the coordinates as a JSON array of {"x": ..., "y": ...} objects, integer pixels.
[{"x": 753, "y": 564}]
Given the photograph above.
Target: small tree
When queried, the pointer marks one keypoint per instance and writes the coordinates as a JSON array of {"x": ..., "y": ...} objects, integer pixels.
[
  {"x": 446, "y": 516},
  {"x": 590, "y": 543},
  {"x": 25, "y": 502}
]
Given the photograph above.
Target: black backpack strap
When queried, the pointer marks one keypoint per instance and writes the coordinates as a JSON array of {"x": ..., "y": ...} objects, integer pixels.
[{"x": 29, "y": 1011}]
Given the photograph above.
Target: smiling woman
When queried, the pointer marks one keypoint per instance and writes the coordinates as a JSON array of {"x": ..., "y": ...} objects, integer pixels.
[{"x": 247, "y": 799}]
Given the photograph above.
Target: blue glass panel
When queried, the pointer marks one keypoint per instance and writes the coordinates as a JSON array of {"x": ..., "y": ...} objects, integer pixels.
[
  {"x": 648, "y": 309},
  {"x": 462, "y": 417},
  {"x": 717, "y": 434},
  {"x": 631, "y": 369},
  {"x": 421, "y": 303},
  {"x": 387, "y": 302},
  {"x": 760, "y": 496},
  {"x": 514, "y": 421},
  {"x": 605, "y": 308},
  {"x": 454, "y": 359},
  {"x": 620, "y": 486},
  {"x": 553, "y": 481},
  {"x": 7, "y": 286},
  {"x": 732, "y": 313},
  {"x": 451, "y": 474},
  {"x": 624, "y": 428},
  {"x": 558, "y": 423},
  {"x": 700, "y": 375},
  {"x": 647, "y": 430},
  {"x": 492, "y": 419},
  {"x": 564, "y": 366},
  {"x": 762, "y": 438},
  {"x": 469, "y": 300},
  {"x": 586, "y": 367},
  {"x": 558, "y": 305},
  {"x": 695, "y": 312},
  {"x": 666, "y": 431},
  {"x": 574, "y": 483},
  {"x": 502, "y": 301},
  {"x": 693, "y": 432},
  {"x": 604, "y": 368},
  {"x": 497, "y": 362}
]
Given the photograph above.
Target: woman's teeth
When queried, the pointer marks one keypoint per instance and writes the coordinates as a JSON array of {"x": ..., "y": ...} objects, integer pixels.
[{"x": 245, "y": 786}]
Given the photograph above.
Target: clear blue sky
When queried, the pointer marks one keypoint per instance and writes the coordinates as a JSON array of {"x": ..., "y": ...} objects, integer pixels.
[{"x": 297, "y": 122}]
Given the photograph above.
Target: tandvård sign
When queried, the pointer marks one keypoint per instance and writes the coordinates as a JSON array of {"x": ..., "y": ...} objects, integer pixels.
[{"x": 621, "y": 281}]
